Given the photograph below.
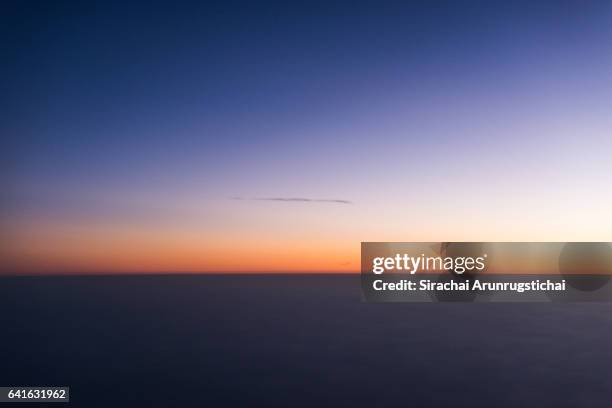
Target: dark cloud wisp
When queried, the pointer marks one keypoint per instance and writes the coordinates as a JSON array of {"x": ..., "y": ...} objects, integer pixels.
[{"x": 294, "y": 199}]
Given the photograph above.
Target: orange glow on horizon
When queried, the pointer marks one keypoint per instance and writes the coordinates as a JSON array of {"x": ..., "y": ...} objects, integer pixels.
[{"x": 81, "y": 251}]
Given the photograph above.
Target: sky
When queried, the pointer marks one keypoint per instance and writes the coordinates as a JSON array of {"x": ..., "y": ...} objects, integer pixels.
[{"x": 276, "y": 136}]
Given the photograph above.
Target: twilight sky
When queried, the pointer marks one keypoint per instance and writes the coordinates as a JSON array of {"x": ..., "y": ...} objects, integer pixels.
[{"x": 261, "y": 136}]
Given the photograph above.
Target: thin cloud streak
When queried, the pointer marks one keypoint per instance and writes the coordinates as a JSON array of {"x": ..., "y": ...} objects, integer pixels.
[{"x": 294, "y": 199}]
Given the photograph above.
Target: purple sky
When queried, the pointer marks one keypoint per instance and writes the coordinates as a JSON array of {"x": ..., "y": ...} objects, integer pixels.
[{"x": 130, "y": 131}]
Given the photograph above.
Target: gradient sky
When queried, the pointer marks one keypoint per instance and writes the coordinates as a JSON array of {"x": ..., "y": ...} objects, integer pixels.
[{"x": 151, "y": 137}]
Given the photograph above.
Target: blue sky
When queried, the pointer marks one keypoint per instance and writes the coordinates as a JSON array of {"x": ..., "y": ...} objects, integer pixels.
[{"x": 453, "y": 120}]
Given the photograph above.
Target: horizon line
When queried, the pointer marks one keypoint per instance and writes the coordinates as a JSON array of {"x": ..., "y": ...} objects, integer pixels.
[{"x": 178, "y": 273}]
